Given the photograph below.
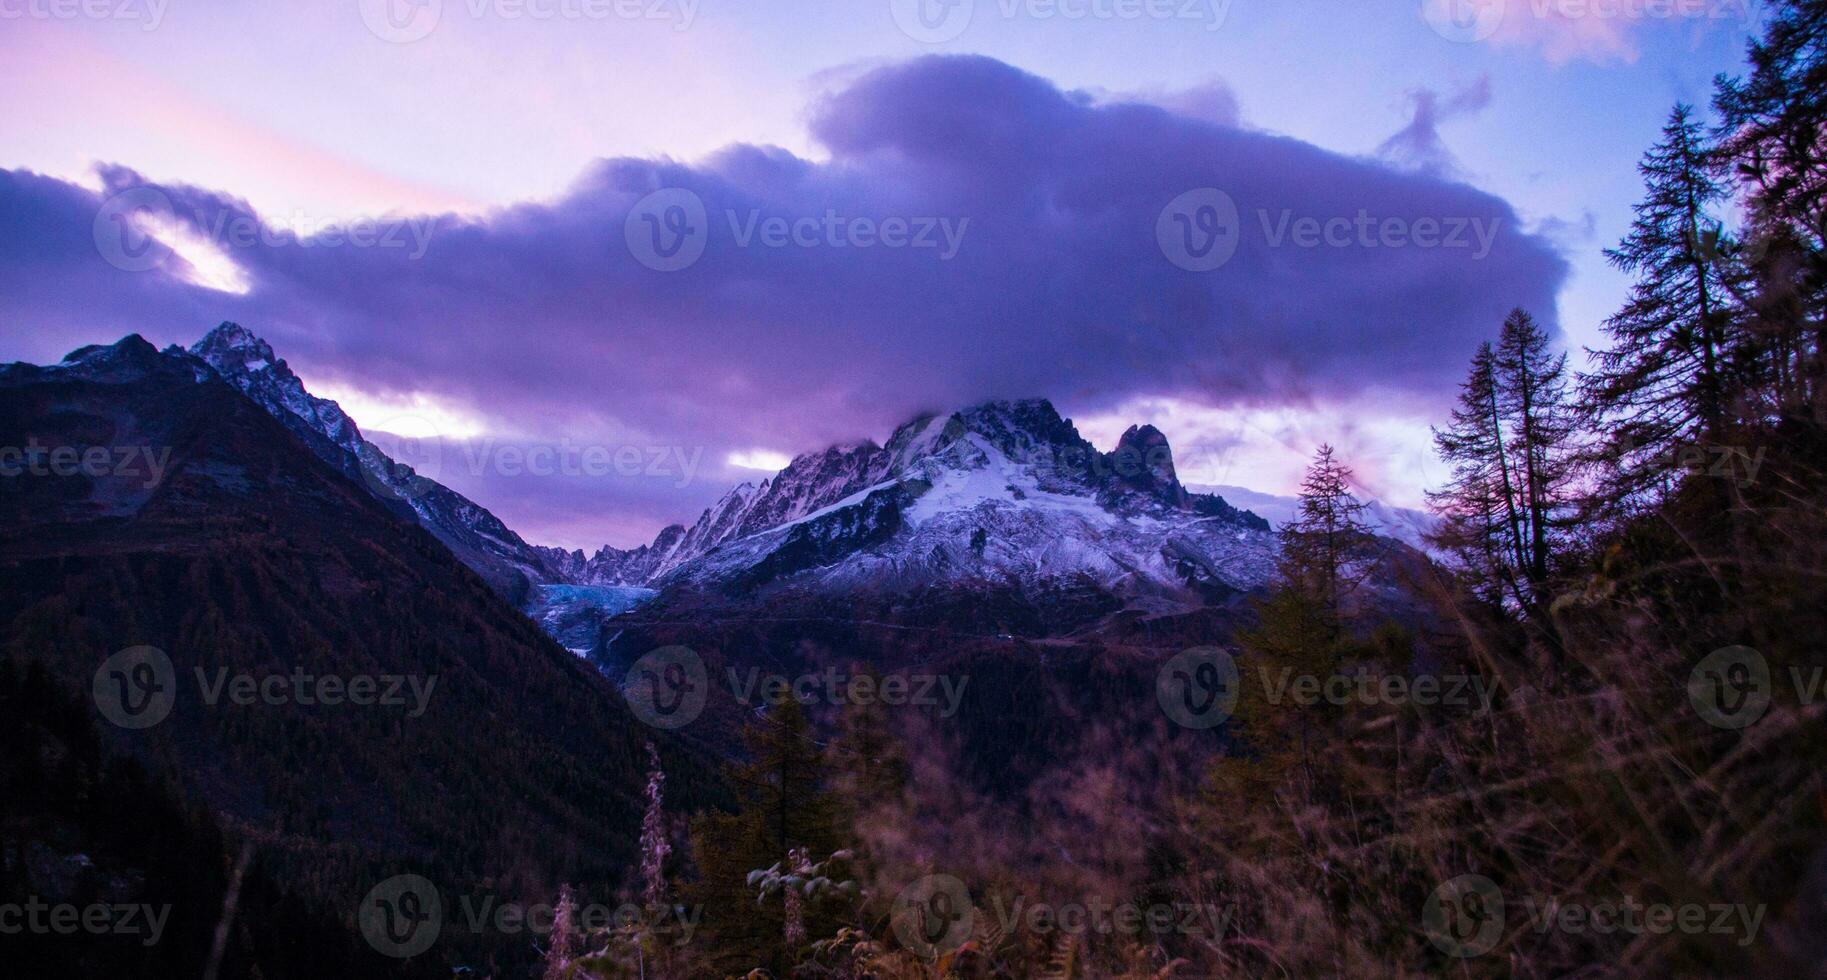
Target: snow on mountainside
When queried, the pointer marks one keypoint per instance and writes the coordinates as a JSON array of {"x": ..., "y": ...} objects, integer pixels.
[
  {"x": 476, "y": 536},
  {"x": 1003, "y": 496}
]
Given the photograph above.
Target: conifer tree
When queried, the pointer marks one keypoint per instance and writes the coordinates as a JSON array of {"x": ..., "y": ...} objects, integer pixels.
[
  {"x": 1512, "y": 444},
  {"x": 1661, "y": 383},
  {"x": 1327, "y": 532},
  {"x": 1773, "y": 142},
  {"x": 1480, "y": 523},
  {"x": 869, "y": 764},
  {"x": 1532, "y": 395},
  {"x": 783, "y": 805}
]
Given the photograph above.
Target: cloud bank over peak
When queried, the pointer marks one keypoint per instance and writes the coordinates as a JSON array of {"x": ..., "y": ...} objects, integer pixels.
[{"x": 975, "y": 232}]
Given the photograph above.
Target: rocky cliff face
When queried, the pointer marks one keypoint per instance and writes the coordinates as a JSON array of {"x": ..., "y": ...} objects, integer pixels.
[{"x": 473, "y": 534}]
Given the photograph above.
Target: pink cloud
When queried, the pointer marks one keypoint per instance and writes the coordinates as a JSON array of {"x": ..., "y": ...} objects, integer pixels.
[{"x": 1561, "y": 31}]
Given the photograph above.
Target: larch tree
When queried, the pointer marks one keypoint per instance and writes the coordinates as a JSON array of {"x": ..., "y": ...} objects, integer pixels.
[
  {"x": 1480, "y": 521},
  {"x": 1661, "y": 383},
  {"x": 784, "y": 805},
  {"x": 1532, "y": 394},
  {"x": 1513, "y": 445},
  {"x": 1773, "y": 144},
  {"x": 1327, "y": 532}
]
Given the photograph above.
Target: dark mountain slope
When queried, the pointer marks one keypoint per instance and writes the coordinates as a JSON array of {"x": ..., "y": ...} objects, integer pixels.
[{"x": 247, "y": 552}]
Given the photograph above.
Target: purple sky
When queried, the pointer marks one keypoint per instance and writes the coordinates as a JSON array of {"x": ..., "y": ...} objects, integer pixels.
[{"x": 938, "y": 229}]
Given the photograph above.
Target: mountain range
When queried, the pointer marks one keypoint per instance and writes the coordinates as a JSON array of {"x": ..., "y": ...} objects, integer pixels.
[
  {"x": 1005, "y": 496},
  {"x": 999, "y": 518}
]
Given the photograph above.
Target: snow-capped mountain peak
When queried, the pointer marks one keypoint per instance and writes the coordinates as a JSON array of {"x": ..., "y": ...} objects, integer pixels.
[
  {"x": 1001, "y": 495},
  {"x": 232, "y": 344}
]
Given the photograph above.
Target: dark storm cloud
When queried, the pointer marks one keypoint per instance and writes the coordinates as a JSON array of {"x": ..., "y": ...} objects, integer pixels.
[{"x": 1030, "y": 255}]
